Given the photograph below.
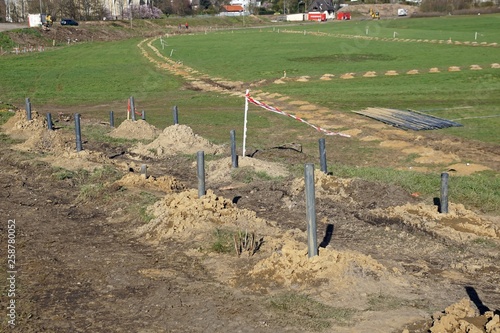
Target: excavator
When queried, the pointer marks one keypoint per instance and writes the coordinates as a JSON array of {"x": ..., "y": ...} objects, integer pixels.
[{"x": 374, "y": 14}]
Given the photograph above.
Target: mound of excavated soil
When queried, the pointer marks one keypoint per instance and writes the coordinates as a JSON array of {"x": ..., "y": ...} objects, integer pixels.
[
  {"x": 385, "y": 10},
  {"x": 290, "y": 265},
  {"x": 20, "y": 128},
  {"x": 177, "y": 139},
  {"x": 186, "y": 216},
  {"x": 44, "y": 140},
  {"x": 459, "y": 224},
  {"x": 61, "y": 146},
  {"x": 220, "y": 171},
  {"x": 140, "y": 130},
  {"x": 325, "y": 186},
  {"x": 38, "y": 138},
  {"x": 461, "y": 317}
]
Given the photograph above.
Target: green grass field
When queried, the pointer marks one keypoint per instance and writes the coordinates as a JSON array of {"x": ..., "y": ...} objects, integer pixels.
[{"x": 94, "y": 78}]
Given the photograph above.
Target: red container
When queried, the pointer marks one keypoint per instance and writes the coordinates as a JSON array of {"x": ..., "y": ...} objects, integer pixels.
[
  {"x": 344, "y": 16},
  {"x": 316, "y": 16}
]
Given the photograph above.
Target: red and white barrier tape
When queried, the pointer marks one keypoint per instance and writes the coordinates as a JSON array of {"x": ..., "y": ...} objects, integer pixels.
[{"x": 276, "y": 110}]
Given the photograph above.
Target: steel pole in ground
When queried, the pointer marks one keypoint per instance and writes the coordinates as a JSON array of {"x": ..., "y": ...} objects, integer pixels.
[
  {"x": 111, "y": 119},
  {"x": 132, "y": 107},
  {"x": 322, "y": 155},
  {"x": 444, "y": 194},
  {"x": 49, "y": 121},
  {"x": 28, "y": 109},
  {"x": 312, "y": 241},
  {"x": 234, "y": 156},
  {"x": 144, "y": 171},
  {"x": 175, "y": 110},
  {"x": 201, "y": 173},
  {"x": 78, "y": 133},
  {"x": 143, "y": 115}
]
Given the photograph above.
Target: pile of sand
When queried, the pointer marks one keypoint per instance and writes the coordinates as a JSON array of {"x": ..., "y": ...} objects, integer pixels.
[
  {"x": 165, "y": 184},
  {"x": 219, "y": 171},
  {"x": 290, "y": 265},
  {"x": 459, "y": 224},
  {"x": 325, "y": 187},
  {"x": 186, "y": 216},
  {"x": 177, "y": 139},
  {"x": 20, "y": 128},
  {"x": 44, "y": 140},
  {"x": 140, "y": 130},
  {"x": 37, "y": 136},
  {"x": 462, "y": 318}
]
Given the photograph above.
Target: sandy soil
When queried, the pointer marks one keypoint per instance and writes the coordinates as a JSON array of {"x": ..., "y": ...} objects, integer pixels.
[{"x": 235, "y": 259}]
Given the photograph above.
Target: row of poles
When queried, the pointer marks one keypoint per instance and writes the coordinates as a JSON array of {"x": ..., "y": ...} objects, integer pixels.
[{"x": 312, "y": 242}]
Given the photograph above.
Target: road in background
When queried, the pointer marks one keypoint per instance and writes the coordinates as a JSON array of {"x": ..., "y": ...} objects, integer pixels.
[{"x": 12, "y": 26}]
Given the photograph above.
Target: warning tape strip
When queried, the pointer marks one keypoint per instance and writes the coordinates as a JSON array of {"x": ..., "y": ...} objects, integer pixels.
[{"x": 276, "y": 110}]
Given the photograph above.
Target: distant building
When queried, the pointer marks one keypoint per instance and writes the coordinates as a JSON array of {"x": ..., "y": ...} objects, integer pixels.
[
  {"x": 321, "y": 6},
  {"x": 233, "y": 10}
]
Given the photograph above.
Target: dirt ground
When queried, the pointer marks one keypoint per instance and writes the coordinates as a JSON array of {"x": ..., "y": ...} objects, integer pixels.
[{"x": 111, "y": 250}]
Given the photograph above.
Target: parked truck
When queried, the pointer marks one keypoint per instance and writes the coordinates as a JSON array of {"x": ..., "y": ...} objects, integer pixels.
[{"x": 39, "y": 20}]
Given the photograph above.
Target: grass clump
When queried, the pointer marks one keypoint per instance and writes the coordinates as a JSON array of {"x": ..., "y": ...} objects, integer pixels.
[
  {"x": 303, "y": 311},
  {"x": 382, "y": 302},
  {"x": 485, "y": 242},
  {"x": 248, "y": 175},
  {"x": 146, "y": 199},
  {"x": 94, "y": 184},
  {"x": 6, "y": 42},
  {"x": 227, "y": 241},
  {"x": 222, "y": 241}
]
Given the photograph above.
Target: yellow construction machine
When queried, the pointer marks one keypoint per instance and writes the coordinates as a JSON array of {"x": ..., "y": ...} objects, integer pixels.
[{"x": 374, "y": 14}]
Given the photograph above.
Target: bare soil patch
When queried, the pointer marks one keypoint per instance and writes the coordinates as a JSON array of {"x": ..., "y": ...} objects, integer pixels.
[{"x": 147, "y": 254}]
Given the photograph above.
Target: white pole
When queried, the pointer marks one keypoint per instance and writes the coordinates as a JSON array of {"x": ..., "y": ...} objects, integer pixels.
[
  {"x": 245, "y": 124},
  {"x": 475, "y": 36}
]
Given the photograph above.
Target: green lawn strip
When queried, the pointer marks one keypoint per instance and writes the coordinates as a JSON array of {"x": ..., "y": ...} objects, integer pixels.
[
  {"x": 315, "y": 55},
  {"x": 82, "y": 74},
  {"x": 458, "y": 28}
]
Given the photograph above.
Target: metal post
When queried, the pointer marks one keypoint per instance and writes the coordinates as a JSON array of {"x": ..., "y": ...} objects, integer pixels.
[
  {"x": 111, "y": 119},
  {"x": 132, "y": 107},
  {"x": 322, "y": 155},
  {"x": 28, "y": 109},
  {"x": 176, "y": 115},
  {"x": 443, "y": 209},
  {"x": 312, "y": 241},
  {"x": 234, "y": 156},
  {"x": 78, "y": 133},
  {"x": 201, "y": 173},
  {"x": 49, "y": 121},
  {"x": 143, "y": 115},
  {"x": 144, "y": 171}
]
